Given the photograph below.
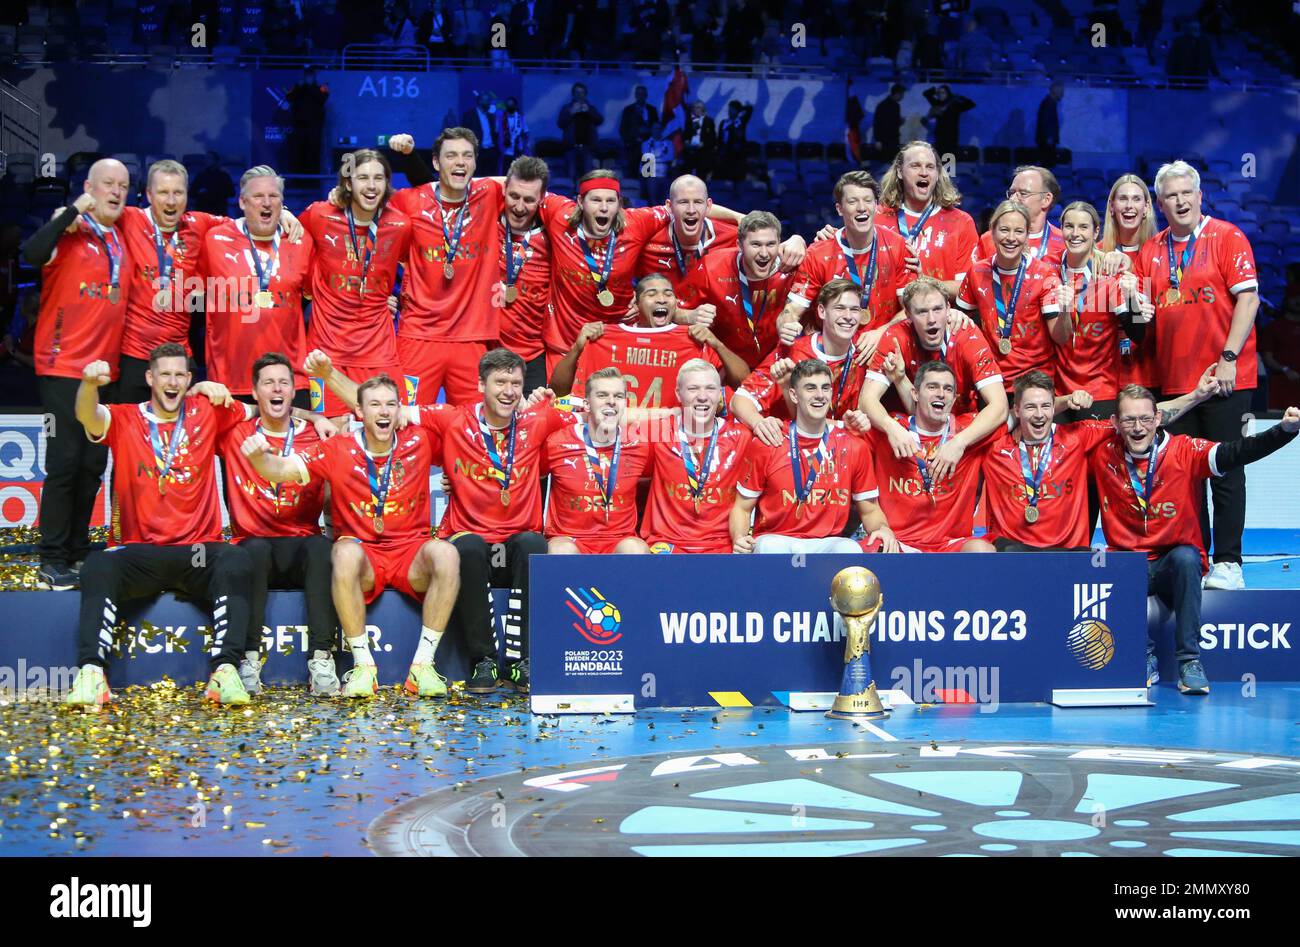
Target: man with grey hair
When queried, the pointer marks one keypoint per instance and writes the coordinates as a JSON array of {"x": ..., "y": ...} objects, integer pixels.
[
  {"x": 255, "y": 276},
  {"x": 1038, "y": 189},
  {"x": 84, "y": 264},
  {"x": 1200, "y": 273}
]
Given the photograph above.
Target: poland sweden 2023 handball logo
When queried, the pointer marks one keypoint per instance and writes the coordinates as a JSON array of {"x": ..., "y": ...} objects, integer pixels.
[
  {"x": 598, "y": 618},
  {"x": 1090, "y": 640}
]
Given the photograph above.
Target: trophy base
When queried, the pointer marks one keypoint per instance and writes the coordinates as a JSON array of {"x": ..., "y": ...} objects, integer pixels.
[{"x": 864, "y": 706}]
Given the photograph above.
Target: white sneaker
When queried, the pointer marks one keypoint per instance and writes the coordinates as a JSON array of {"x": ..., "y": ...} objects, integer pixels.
[
  {"x": 1225, "y": 575},
  {"x": 250, "y": 672},
  {"x": 324, "y": 679}
]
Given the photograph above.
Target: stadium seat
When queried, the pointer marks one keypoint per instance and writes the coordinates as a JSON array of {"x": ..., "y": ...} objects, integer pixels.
[
  {"x": 774, "y": 150},
  {"x": 997, "y": 154},
  {"x": 810, "y": 151},
  {"x": 1027, "y": 155},
  {"x": 550, "y": 148},
  {"x": 1278, "y": 228},
  {"x": 608, "y": 150},
  {"x": 1258, "y": 206},
  {"x": 835, "y": 151}
]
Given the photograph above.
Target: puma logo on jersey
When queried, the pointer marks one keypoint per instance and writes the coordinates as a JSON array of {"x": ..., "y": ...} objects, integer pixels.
[
  {"x": 232, "y": 257},
  {"x": 333, "y": 239}
]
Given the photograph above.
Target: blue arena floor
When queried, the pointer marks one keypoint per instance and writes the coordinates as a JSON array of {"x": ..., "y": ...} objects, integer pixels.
[{"x": 163, "y": 774}]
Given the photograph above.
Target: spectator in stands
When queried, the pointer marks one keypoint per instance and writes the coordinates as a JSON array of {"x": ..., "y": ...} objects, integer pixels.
[
  {"x": 637, "y": 123},
  {"x": 1279, "y": 347},
  {"x": 1151, "y": 18},
  {"x": 975, "y": 50},
  {"x": 1106, "y": 12},
  {"x": 306, "y": 103},
  {"x": 1191, "y": 56},
  {"x": 1047, "y": 135},
  {"x": 927, "y": 53},
  {"x": 706, "y": 46},
  {"x": 482, "y": 120},
  {"x": 731, "y": 141},
  {"x": 945, "y": 117},
  {"x": 434, "y": 30},
  {"x": 516, "y": 140},
  {"x": 212, "y": 189},
  {"x": 578, "y": 122},
  {"x": 888, "y": 121},
  {"x": 743, "y": 28},
  {"x": 650, "y": 20},
  {"x": 528, "y": 34},
  {"x": 700, "y": 143}
]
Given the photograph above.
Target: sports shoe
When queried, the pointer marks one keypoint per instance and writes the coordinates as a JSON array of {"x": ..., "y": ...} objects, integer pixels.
[
  {"x": 323, "y": 678},
  {"x": 423, "y": 680},
  {"x": 55, "y": 578},
  {"x": 1153, "y": 670},
  {"x": 361, "y": 681},
  {"x": 1192, "y": 679},
  {"x": 250, "y": 672},
  {"x": 518, "y": 676},
  {"x": 484, "y": 678},
  {"x": 89, "y": 689},
  {"x": 225, "y": 687},
  {"x": 1225, "y": 575}
]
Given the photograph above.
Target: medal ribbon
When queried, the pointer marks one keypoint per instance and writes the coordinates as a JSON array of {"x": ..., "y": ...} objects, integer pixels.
[
  {"x": 372, "y": 240},
  {"x": 112, "y": 249},
  {"x": 263, "y": 276},
  {"x": 503, "y": 471},
  {"x": 747, "y": 301},
  {"x": 845, "y": 368},
  {"x": 1080, "y": 291},
  {"x": 1007, "y": 312},
  {"x": 163, "y": 460},
  {"x": 160, "y": 242},
  {"x": 803, "y": 484},
  {"x": 284, "y": 451},
  {"x": 379, "y": 483},
  {"x": 525, "y": 254},
  {"x": 866, "y": 280},
  {"x": 903, "y": 230},
  {"x": 696, "y": 479},
  {"x": 1176, "y": 274},
  {"x": 706, "y": 237},
  {"x": 1142, "y": 490},
  {"x": 451, "y": 241},
  {"x": 1035, "y": 477},
  {"x": 922, "y": 463},
  {"x": 596, "y": 464},
  {"x": 602, "y": 281}
]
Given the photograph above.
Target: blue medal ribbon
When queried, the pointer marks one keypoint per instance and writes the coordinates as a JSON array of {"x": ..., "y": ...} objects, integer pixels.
[
  {"x": 923, "y": 464},
  {"x": 525, "y": 253},
  {"x": 165, "y": 261},
  {"x": 379, "y": 482},
  {"x": 846, "y": 367},
  {"x": 697, "y": 479},
  {"x": 747, "y": 301},
  {"x": 372, "y": 241},
  {"x": 263, "y": 275},
  {"x": 451, "y": 240},
  {"x": 1034, "y": 478},
  {"x": 1176, "y": 271},
  {"x": 1143, "y": 489},
  {"x": 503, "y": 470},
  {"x": 595, "y": 464},
  {"x": 1007, "y": 311},
  {"x": 864, "y": 281},
  {"x": 903, "y": 230},
  {"x": 112, "y": 249},
  {"x": 680, "y": 254},
  {"x": 163, "y": 457},
  {"x": 803, "y": 483},
  {"x": 1081, "y": 292},
  {"x": 284, "y": 451},
  {"x": 602, "y": 281}
]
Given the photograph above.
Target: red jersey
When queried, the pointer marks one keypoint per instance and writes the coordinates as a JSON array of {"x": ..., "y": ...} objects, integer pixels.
[
  {"x": 460, "y": 309},
  {"x": 966, "y": 352},
  {"x": 1138, "y": 365},
  {"x": 1090, "y": 361},
  {"x": 523, "y": 319},
  {"x": 576, "y": 507},
  {"x": 1050, "y": 250},
  {"x": 718, "y": 282},
  {"x": 1192, "y": 329},
  {"x": 475, "y": 505},
  {"x": 257, "y": 506},
  {"x": 149, "y": 323},
  {"x": 78, "y": 323},
  {"x": 1031, "y": 345},
  {"x": 671, "y": 514},
  {"x": 344, "y": 463},
  {"x": 239, "y": 331},
  {"x": 844, "y": 476},
  {"x": 662, "y": 254},
  {"x": 760, "y": 387},
  {"x": 928, "y": 521},
  {"x": 649, "y": 359},
  {"x": 945, "y": 246},
  {"x": 1181, "y": 466},
  {"x": 354, "y": 327},
  {"x": 827, "y": 259},
  {"x": 574, "y": 300},
  {"x": 186, "y": 510},
  {"x": 1062, "y": 493}
]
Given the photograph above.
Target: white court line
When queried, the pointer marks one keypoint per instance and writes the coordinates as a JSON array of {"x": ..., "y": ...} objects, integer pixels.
[{"x": 883, "y": 734}]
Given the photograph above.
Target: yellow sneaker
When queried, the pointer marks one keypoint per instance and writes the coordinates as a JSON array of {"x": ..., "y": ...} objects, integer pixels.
[
  {"x": 89, "y": 689},
  {"x": 225, "y": 686},
  {"x": 425, "y": 681},
  {"x": 361, "y": 681}
]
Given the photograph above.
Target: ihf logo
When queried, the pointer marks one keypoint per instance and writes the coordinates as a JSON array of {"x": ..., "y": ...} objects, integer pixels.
[
  {"x": 599, "y": 617},
  {"x": 1090, "y": 640}
]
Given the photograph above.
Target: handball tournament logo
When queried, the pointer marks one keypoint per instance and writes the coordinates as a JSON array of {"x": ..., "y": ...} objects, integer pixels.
[
  {"x": 598, "y": 617},
  {"x": 1090, "y": 640}
]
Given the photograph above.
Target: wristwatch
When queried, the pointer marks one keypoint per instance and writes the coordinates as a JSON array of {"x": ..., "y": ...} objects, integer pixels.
[{"x": 1228, "y": 355}]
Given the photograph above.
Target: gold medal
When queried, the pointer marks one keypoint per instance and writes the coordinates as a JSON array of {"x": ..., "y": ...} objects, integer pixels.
[
  {"x": 1031, "y": 514},
  {"x": 605, "y": 297},
  {"x": 512, "y": 293},
  {"x": 114, "y": 294},
  {"x": 264, "y": 300},
  {"x": 162, "y": 486},
  {"x": 378, "y": 524},
  {"x": 1173, "y": 296},
  {"x": 798, "y": 510},
  {"x": 505, "y": 496},
  {"x": 448, "y": 271},
  {"x": 361, "y": 290},
  {"x": 1004, "y": 346}
]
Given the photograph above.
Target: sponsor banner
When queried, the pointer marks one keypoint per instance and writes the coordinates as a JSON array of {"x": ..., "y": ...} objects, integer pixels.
[
  {"x": 22, "y": 470},
  {"x": 676, "y": 630},
  {"x": 1255, "y": 632}
]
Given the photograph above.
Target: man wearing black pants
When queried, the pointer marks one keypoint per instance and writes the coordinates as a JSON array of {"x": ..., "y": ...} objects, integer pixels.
[
  {"x": 485, "y": 566},
  {"x": 167, "y": 520}
]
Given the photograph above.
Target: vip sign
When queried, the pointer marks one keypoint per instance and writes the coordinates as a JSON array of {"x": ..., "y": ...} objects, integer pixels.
[{"x": 22, "y": 471}]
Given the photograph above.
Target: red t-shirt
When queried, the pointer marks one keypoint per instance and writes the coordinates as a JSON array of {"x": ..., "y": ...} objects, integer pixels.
[
  {"x": 661, "y": 256},
  {"x": 574, "y": 300},
  {"x": 239, "y": 331},
  {"x": 149, "y": 325},
  {"x": 966, "y": 352},
  {"x": 763, "y": 390},
  {"x": 1139, "y": 366},
  {"x": 843, "y": 478},
  {"x": 1062, "y": 494},
  {"x": 718, "y": 282},
  {"x": 1053, "y": 253},
  {"x": 1191, "y": 332},
  {"x": 670, "y": 513},
  {"x": 475, "y": 505},
  {"x": 1183, "y": 463},
  {"x": 945, "y": 246},
  {"x": 918, "y": 520},
  {"x": 257, "y": 506},
  {"x": 523, "y": 319},
  {"x": 463, "y": 308},
  {"x": 827, "y": 259},
  {"x": 77, "y": 323},
  {"x": 576, "y": 508},
  {"x": 649, "y": 359},
  {"x": 1090, "y": 362},
  {"x": 1032, "y": 346},
  {"x": 351, "y": 327},
  {"x": 344, "y": 463},
  {"x": 188, "y": 510}
]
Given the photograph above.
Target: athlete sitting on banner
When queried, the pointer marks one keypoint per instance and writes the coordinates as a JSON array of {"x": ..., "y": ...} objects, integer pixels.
[
  {"x": 803, "y": 488},
  {"x": 166, "y": 519},
  {"x": 1149, "y": 481},
  {"x": 379, "y": 505},
  {"x": 696, "y": 461},
  {"x": 648, "y": 353},
  {"x": 594, "y": 465}
]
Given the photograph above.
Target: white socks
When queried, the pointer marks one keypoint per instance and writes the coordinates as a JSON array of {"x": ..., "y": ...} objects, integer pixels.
[
  {"x": 360, "y": 648},
  {"x": 428, "y": 646}
]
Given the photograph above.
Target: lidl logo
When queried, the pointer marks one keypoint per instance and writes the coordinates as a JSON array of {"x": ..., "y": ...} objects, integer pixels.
[
  {"x": 599, "y": 618},
  {"x": 412, "y": 388}
]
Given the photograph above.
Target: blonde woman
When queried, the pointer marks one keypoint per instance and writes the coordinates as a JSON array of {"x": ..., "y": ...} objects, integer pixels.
[{"x": 1130, "y": 222}]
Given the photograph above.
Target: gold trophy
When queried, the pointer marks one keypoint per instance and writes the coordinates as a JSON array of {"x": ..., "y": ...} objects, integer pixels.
[{"x": 855, "y": 594}]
